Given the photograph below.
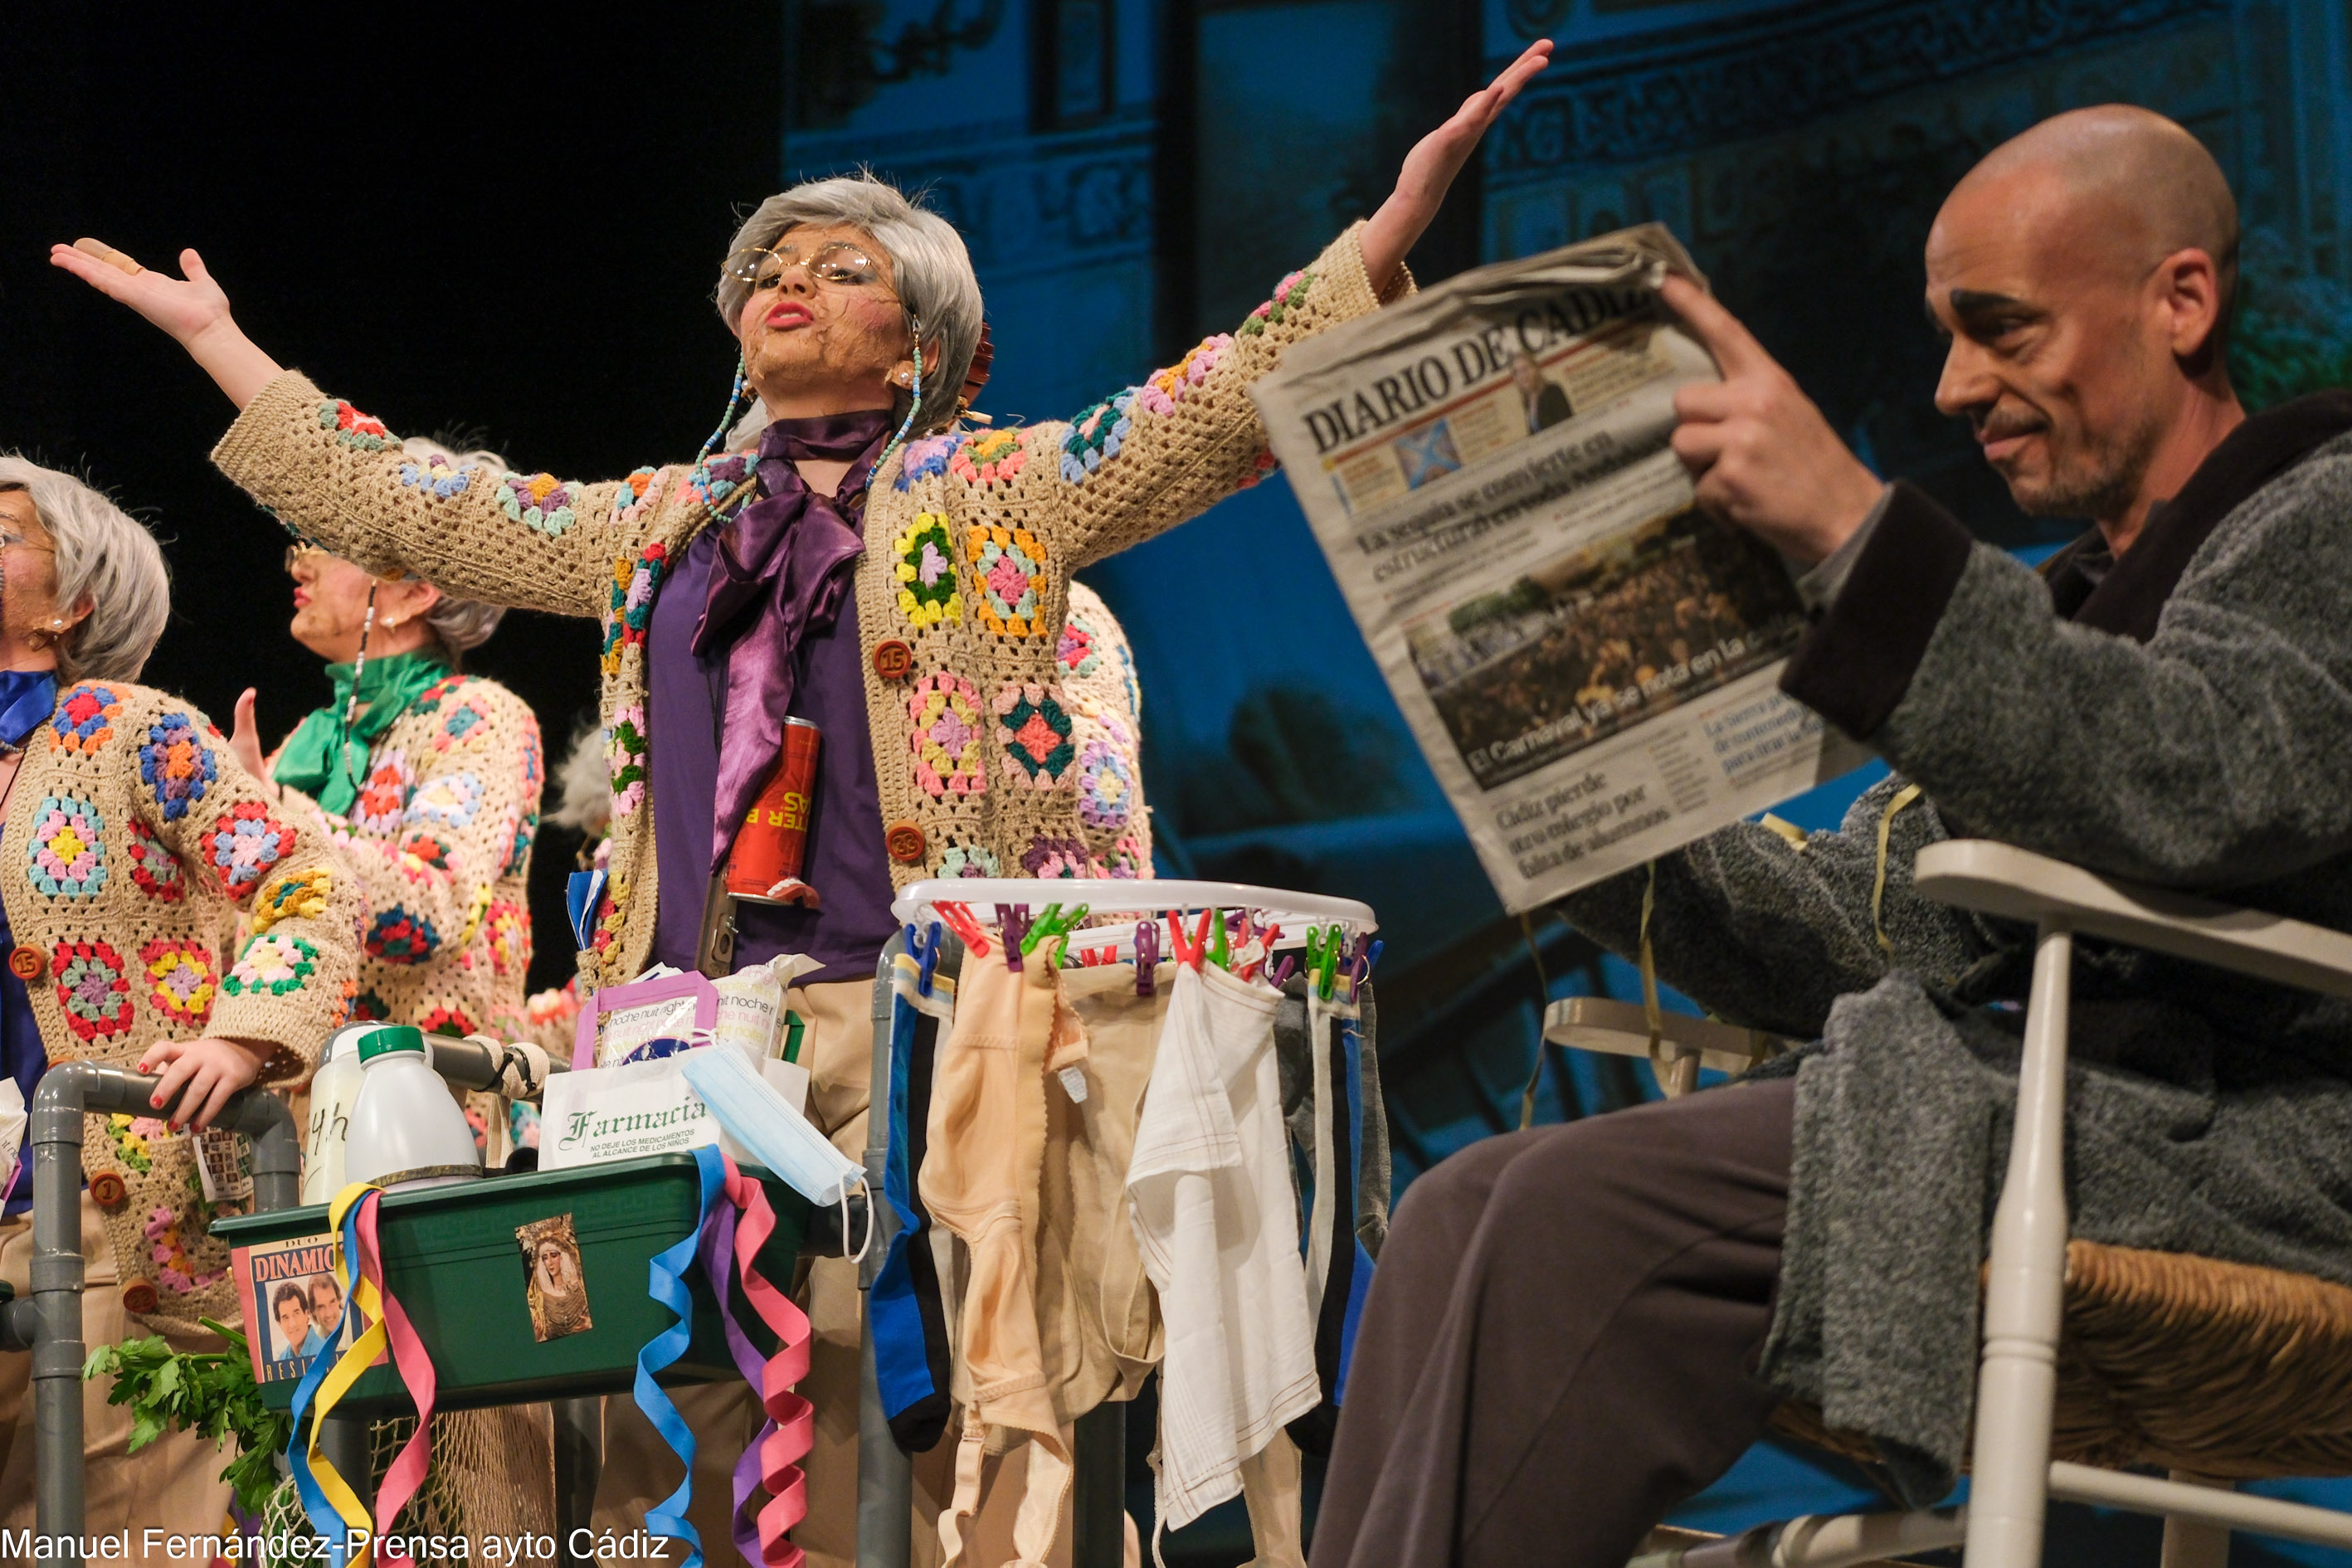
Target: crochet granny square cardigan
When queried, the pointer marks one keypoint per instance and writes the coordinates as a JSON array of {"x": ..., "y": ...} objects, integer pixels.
[
  {"x": 133, "y": 843},
  {"x": 970, "y": 537},
  {"x": 439, "y": 841}
]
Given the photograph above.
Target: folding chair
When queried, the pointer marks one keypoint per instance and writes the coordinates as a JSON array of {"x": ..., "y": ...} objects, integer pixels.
[{"x": 2100, "y": 1359}]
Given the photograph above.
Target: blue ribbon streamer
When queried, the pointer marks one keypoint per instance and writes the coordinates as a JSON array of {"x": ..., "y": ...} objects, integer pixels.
[
  {"x": 323, "y": 1517},
  {"x": 1359, "y": 1284},
  {"x": 901, "y": 1362},
  {"x": 666, "y": 1284}
]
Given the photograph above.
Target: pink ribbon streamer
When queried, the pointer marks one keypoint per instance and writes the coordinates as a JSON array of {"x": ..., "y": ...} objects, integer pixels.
[
  {"x": 409, "y": 1466},
  {"x": 772, "y": 1460}
]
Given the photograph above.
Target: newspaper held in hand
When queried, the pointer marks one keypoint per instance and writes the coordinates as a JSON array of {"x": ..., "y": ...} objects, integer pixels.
[{"x": 1590, "y": 664}]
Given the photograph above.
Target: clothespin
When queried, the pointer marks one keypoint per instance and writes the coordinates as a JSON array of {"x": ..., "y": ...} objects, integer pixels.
[
  {"x": 960, "y": 921},
  {"x": 1278, "y": 973},
  {"x": 1360, "y": 968},
  {"x": 1190, "y": 953},
  {"x": 1147, "y": 956},
  {"x": 1013, "y": 920},
  {"x": 1266, "y": 939},
  {"x": 1219, "y": 953},
  {"x": 927, "y": 956},
  {"x": 1044, "y": 925}
]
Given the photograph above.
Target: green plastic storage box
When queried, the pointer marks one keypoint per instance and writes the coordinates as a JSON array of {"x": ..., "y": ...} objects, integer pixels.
[{"x": 452, "y": 1261}]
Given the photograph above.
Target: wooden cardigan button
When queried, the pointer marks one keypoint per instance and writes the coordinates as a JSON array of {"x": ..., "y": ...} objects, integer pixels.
[
  {"x": 893, "y": 659},
  {"x": 27, "y": 963},
  {"x": 139, "y": 1297},
  {"x": 905, "y": 843},
  {"x": 107, "y": 1190}
]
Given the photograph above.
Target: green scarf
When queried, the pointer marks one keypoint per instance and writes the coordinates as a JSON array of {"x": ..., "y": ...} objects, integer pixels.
[{"x": 328, "y": 764}]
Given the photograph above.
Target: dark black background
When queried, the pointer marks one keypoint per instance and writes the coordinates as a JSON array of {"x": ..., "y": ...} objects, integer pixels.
[{"x": 501, "y": 220}]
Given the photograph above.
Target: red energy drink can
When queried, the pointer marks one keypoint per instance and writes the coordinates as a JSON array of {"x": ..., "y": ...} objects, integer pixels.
[{"x": 771, "y": 848}]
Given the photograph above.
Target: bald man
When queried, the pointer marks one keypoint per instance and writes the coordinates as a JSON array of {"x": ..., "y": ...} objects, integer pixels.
[{"x": 1575, "y": 1328}]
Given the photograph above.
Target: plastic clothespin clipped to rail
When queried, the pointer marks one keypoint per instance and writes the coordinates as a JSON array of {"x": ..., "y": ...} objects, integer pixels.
[
  {"x": 960, "y": 921},
  {"x": 927, "y": 955},
  {"x": 1147, "y": 956},
  {"x": 1189, "y": 954},
  {"x": 1220, "y": 949},
  {"x": 1278, "y": 970},
  {"x": 1013, "y": 924}
]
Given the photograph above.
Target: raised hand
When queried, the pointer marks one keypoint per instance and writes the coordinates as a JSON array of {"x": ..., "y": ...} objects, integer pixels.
[
  {"x": 1763, "y": 456},
  {"x": 193, "y": 310},
  {"x": 1429, "y": 169},
  {"x": 245, "y": 742}
]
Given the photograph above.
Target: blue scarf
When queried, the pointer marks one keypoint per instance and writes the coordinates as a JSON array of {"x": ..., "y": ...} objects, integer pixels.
[{"x": 27, "y": 697}]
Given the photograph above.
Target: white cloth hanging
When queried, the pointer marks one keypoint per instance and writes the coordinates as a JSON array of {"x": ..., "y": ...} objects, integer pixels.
[{"x": 1217, "y": 1221}]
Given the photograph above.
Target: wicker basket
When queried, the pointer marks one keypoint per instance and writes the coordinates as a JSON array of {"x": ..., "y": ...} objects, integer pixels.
[{"x": 2184, "y": 1363}]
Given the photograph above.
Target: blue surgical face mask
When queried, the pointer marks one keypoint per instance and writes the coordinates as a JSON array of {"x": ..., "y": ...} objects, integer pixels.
[{"x": 768, "y": 1128}]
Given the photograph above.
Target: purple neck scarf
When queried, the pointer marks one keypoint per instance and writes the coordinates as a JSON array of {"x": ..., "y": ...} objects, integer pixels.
[{"x": 783, "y": 565}]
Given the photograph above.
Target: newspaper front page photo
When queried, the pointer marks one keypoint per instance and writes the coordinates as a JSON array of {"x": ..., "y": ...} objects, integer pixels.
[{"x": 1590, "y": 663}]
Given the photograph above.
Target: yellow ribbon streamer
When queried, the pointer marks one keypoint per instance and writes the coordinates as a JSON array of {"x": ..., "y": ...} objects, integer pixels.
[{"x": 362, "y": 1295}]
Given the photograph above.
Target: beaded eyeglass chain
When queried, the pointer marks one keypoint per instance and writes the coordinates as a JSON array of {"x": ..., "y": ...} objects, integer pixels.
[{"x": 735, "y": 398}]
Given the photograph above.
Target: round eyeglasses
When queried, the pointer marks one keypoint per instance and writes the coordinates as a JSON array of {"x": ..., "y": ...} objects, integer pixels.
[{"x": 837, "y": 263}]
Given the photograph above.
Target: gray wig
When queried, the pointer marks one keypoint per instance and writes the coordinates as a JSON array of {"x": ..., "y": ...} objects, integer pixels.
[
  {"x": 461, "y": 624},
  {"x": 930, "y": 268},
  {"x": 105, "y": 554}
]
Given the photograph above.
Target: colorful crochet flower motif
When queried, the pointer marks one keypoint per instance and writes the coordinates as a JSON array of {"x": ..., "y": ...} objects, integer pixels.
[
  {"x": 437, "y": 475},
  {"x": 925, "y": 458},
  {"x": 272, "y": 963},
  {"x": 301, "y": 896},
  {"x": 1076, "y": 649},
  {"x": 634, "y": 580},
  {"x": 367, "y": 1007},
  {"x": 1054, "y": 858},
  {"x": 179, "y": 983},
  {"x": 396, "y": 936},
  {"x": 382, "y": 803},
  {"x": 450, "y": 1023},
  {"x": 557, "y": 1005},
  {"x": 1167, "y": 388},
  {"x": 429, "y": 699},
  {"x": 720, "y": 477},
  {"x": 639, "y": 491},
  {"x": 465, "y": 723},
  {"x": 1127, "y": 858},
  {"x": 130, "y": 1134},
  {"x": 1096, "y": 435},
  {"x": 68, "y": 859},
  {"x": 360, "y": 432},
  {"x": 946, "y": 738},
  {"x": 624, "y": 759},
  {"x": 153, "y": 871},
  {"x": 1035, "y": 733},
  {"x": 520, "y": 825},
  {"x": 1261, "y": 465},
  {"x": 420, "y": 855},
  {"x": 538, "y": 501},
  {"x": 534, "y": 765},
  {"x": 1126, "y": 680},
  {"x": 1106, "y": 786},
  {"x": 448, "y": 800},
  {"x": 969, "y": 860},
  {"x": 93, "y": 989},
  {"x": 989, "y": 457},
  {"x": 508, "y": 924},
  {"x": 926, "y": 574},
  {"x": 176, "y": 764},
  {"x": 243, "y": 845},
  {"x": 476, "y": 908},
  {"x": 174, "y": 1269},
  {"x": 84, "y": 719},
  {"x": 615, "y": 911},
  {"x": 1008, "y": 565},
  {"x": 1289, "y": 295}
]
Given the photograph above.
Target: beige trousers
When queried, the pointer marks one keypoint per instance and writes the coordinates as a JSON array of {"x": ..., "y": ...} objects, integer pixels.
[{"x": 172, "y": 1484}]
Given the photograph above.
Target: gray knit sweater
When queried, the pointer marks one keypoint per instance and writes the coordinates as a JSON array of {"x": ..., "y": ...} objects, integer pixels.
[{"x": 2198, "y": 740}]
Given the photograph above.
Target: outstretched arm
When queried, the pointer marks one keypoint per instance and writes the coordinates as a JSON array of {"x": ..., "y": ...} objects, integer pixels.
[
  {"x": 194, "y": 310},
  {"x": 1429, "y": 169}
]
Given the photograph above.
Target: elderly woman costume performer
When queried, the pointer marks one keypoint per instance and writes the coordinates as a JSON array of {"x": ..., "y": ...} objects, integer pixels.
[
  {"x": 428, "y": 780},
  {"x": 133, "y": 841},
  {"x": 900, "y": 583}
]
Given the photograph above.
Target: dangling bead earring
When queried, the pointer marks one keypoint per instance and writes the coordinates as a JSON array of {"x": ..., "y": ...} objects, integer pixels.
[
  {"x": 915, "y": 324},
  {"x": 725, "y": 420},
  {"x": 352, "y": 704}
]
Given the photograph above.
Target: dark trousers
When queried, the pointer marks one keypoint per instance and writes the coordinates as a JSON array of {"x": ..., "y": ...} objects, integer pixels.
[{"x": 1560, "y": 1341}]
